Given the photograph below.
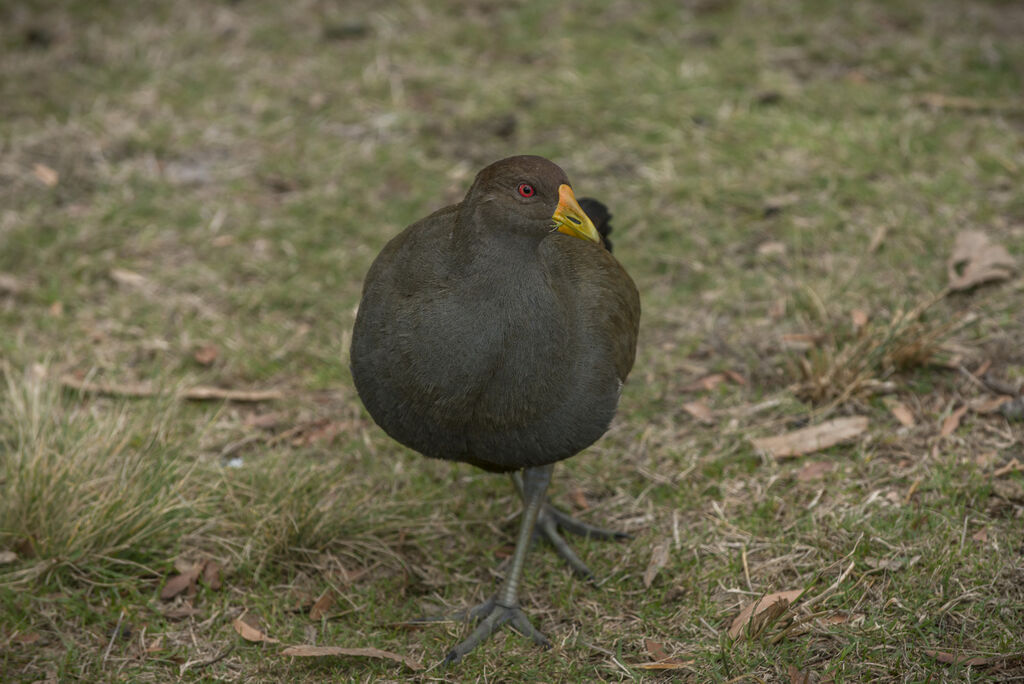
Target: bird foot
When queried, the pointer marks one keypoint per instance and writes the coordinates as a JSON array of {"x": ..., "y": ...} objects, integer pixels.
[
  {"x": 550, "y": 520},
  {"x": 492, "y": 617}
]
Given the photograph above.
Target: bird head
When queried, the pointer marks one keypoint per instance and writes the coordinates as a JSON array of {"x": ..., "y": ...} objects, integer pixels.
[{"x": 528, "y": 195}]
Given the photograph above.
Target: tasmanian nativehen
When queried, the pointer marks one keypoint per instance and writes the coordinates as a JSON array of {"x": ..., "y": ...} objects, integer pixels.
[{"x": 498, "y": 332}]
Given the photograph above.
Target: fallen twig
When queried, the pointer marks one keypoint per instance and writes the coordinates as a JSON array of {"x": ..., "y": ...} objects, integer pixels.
[{"x": 145, "y": 390}]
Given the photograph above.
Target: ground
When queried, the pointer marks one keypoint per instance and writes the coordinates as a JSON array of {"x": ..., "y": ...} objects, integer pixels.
[{"x": 191, "y": 193}]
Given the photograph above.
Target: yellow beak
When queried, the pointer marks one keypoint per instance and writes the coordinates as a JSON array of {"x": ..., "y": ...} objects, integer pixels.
[{"x": 570, "y": 218}]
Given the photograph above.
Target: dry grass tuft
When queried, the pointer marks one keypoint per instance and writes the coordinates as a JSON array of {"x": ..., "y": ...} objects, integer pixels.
[
  {"x": 84, "y": 492},
  {"x": 859, "y": 362}
]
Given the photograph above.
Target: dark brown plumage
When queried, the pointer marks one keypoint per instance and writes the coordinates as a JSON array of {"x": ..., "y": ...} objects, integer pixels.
[{"x": 498, "y": 332}]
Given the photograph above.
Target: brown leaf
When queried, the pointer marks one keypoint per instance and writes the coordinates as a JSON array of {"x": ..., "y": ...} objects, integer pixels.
[
  {"x": 901, "y": 412},
  {"x": 988, "y": 405},
  {"x": 736, "y": 377},
  {"x": 26, "y": 638},
  {"x": 250, "y": 633},
  {"x": 809, "y": 440},
  {"x": 796, "y": 676},
  {"x": 801, "y": 341},
  {"x": 976, "y": 260},
  {"x": 181, "y": 612},
  {"x": 859, "y": 318},
  {"x": 814, "y": 470},
  {"x": 952, "y": 421},
  {"x": 700, "y": 411},
  {"x": 961, "y": 659},
  {"x": 655, "y": 649},
  {"x": 878, "y": 237},
  {"x": 7, "y": 557},
  {"x": 206, "y": 354},
  {"x": 659, "y": 557},
  {"x": 320, "y": 651},
  {"x": 579, "y": 499},
  {"x": 708, "y": 382},
  {"x": 980, "y": 536},
  {"x": 661, "y": 661},
  {"x": 45, "y": 174},
  {"x": 179, "y": 583},
  {"x": 266, "y": 421},
  {"x": 122, "y": 276},
  {"x": 9, "y": 284},
  {"x": 1014, "y": 466},
  {"x": 763, "y": 611},
  {"x": 322, "y": 605},
  {"x": 211, "y": 575}
]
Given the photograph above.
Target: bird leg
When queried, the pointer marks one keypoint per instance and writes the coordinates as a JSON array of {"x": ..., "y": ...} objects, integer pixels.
[
  {"x": 550, "y": 519},
  {"x": 504, "y": 607}
]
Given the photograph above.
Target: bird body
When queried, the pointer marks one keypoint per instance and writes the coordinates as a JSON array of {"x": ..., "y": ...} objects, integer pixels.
[{"x": 489, "y": 346}]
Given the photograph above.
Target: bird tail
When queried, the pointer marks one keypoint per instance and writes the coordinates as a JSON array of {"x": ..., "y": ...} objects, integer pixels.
[{"x": 601, "y": 217}]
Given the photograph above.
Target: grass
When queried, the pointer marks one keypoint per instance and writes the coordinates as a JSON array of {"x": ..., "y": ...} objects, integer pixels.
[{"x": 226, "y": 174}]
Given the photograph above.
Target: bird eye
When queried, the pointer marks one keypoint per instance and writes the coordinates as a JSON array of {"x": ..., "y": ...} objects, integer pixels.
[{"x": 526, "y": 190}]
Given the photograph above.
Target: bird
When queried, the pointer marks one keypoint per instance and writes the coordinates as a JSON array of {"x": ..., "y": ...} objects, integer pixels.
[{"x": 498, "y": 332}]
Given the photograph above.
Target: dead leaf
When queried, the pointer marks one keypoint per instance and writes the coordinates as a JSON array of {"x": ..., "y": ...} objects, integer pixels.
[
  {"x": 655, "y": 649},
  {"x": 772, "y": 248},
  {"x": 952, "y": 421},
  {"x": 7, "y": 557},
  {"x": 961, "y": 659},
  {"x": 700, "y": 411},
  {"x": 814, "y": 470},
  {"x": 809, "y": 440},
  {"x": 206, "y": 355},
  {"x": 579, "y": 499},
  {"x": 9, "y": 284},
  {"x": 46, "y": 175},
  {"x": 321, "y": 651},
  {"x": 26, "y": 638},
  {"x": 251, "y": 633},
  {"x": 123, "y": 276},
  {"x": 155, "y": 645},
  {"x": 801, "y": 341},
  {"x": 980, "y": 536},
  {"x": 181, "y": 612},
  {"x": 901, "y": 412},
  {"x": 56, "y": 309},
  {"x": 761, "y": 612},
  {"x": 266, "y": 421},
  {"x": 659, "y": 557},
  {"x": 859, "y": 318},
  {"x": 878, "y": 238},
  {"x": 661, "y": 661},
  {"x": 1014, "y": 466},
  {"x": 708, "y": 382},
  {"x": 180, "y": 583},
  {"x": 211, "y": 575},
  {"x": 985, "y": 405},
  {"x": 797, "y": 676},
  {"x": 976, "y": 260},
  {"x": 736, "y": 377},
  {"x": 322, "y": 605}
]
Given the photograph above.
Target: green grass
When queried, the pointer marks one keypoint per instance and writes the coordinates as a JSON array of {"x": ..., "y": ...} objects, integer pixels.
[{"x": 249, "y": 160}]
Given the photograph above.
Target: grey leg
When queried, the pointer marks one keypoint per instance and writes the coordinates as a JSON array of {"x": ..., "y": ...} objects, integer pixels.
[
  {"x": 550, "y": 519},
  {"x": 505, "y": 608}
]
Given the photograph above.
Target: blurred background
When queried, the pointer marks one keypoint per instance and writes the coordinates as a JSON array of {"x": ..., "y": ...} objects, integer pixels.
[{"x": 191, "y": 193}]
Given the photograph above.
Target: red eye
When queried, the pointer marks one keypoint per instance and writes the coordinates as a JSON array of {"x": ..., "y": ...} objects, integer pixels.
[{"x": 526, "y": 190}]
